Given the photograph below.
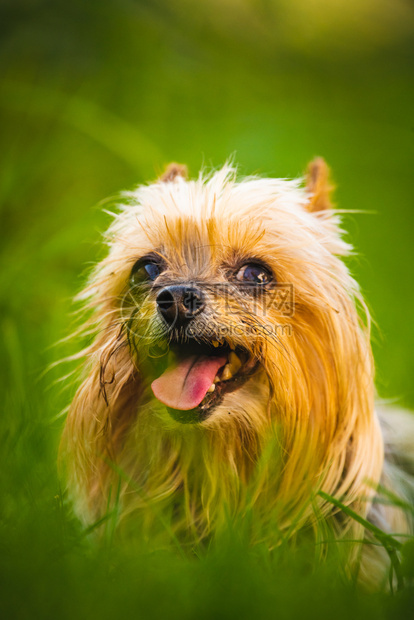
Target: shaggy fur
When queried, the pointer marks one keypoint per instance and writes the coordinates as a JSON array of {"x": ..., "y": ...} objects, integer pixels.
[{"x": 304, "y": 422}]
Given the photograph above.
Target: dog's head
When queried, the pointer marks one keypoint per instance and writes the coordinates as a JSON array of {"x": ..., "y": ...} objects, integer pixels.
[
  {"x": 217, "y": 286},
  {"x": 224, "y": 305}
]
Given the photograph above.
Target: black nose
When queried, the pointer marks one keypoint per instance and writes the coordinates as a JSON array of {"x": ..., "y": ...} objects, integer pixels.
[{"x": 179, "y": 304}]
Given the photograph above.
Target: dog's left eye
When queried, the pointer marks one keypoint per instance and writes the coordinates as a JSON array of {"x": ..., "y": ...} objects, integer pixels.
[
  {"x": 144, "y": 270},
  {"x": 254, "y": 273}
]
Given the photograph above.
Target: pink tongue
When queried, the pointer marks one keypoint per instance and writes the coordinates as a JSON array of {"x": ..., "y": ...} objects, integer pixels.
[{"x": 184, "y": 386}]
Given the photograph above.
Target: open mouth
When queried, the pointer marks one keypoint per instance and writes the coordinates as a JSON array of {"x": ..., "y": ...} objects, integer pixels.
[{"x": 197, "y": 377}]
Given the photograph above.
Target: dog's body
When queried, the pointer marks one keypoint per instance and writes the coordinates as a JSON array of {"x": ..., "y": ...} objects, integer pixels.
[{"x": 230, "y": 369}]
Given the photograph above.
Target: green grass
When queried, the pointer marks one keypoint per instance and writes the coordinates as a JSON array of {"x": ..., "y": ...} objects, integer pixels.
[{"x": 95, "y": 97}]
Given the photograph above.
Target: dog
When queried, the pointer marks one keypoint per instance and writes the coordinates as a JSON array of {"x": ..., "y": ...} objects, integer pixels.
[{"x": 230, "y": 371}]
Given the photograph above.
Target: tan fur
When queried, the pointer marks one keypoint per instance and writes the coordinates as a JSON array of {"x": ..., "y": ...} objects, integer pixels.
[
  {"x": 318, "y": 185},
  {"x": 304, "y": 422}
]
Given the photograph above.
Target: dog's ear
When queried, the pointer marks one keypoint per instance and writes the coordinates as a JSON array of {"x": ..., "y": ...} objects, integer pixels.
[
  {"x": 318, "y": 186},
  {"x": 172, "y": 171}
]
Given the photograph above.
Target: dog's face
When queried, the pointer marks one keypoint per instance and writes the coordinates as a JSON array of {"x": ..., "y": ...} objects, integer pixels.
[{"x": 198, "y": 313}]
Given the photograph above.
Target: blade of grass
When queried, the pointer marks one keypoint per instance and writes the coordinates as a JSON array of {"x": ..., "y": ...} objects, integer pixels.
[{"x": 390, "y": 544}]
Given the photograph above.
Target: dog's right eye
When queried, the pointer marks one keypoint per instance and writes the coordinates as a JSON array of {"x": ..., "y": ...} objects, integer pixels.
[{"x": 144, "y": 270}]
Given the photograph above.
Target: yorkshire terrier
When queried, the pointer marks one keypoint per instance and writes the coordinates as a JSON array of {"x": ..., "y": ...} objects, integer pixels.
[{"x": 231, "y": 371}]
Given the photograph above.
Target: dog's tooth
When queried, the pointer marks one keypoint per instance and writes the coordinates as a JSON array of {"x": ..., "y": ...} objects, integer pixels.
[
  {"x": 216, "y": 379},
  {"x": 211, "y": 388},
  {"x": 235, "y": 363},
  {"x": 215, "y": 343},
  {"x": 226, "y": 374}
]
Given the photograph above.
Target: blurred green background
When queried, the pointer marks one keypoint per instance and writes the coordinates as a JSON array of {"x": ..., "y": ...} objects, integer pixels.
[{"x": 96, "y": 97}]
